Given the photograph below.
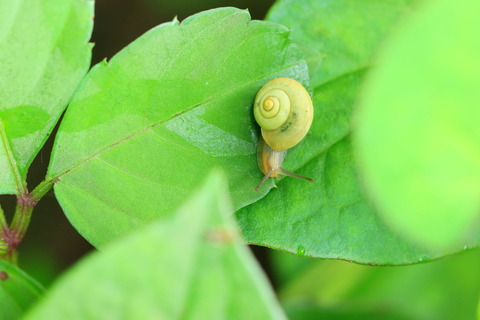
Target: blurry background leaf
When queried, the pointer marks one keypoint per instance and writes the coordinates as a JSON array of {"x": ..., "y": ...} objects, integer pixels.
[
  {"x": 191, "y": 265},
  {"x": 332, "y": 217},
  {"x": 478, "y": 310},
  {"x": 444, "y": 289},
  {"x": 18, "y": 291},
  {"x": 145, "y": 128},
  {"x": 418, "y": 131},
  {"x": 44, "y": 52}
]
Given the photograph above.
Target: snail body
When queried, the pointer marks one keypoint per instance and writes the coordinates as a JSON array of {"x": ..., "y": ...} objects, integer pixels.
[{"x": 284, "y": 111}]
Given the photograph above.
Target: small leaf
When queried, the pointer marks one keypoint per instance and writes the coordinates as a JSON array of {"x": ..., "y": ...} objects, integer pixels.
[
  {"x": 419, "y": 136},
  {"x": 191, "y": 265},
  {"x": 144, "y": 129},
  {"x": 44, "y": 52},
  {"x": 18, "y": 291}
]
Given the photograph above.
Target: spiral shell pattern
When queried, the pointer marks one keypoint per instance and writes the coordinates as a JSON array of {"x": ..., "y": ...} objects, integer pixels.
[{"x": 284, "y": 111}]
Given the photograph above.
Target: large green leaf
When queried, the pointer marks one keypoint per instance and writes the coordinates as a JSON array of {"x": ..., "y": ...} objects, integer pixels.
[
  {"x": 145, "y": 128},
  {"x": 332, "y": 217},
  {"x": 192, "y": 265},
  {"x": 18, "y": 291},
  {"x": 44, "y": 52},
  {"x": 419, "y": 135}
]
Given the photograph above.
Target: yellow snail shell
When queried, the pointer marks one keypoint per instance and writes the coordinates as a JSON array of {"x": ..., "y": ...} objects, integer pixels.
[{"x": 284, "y": 111}]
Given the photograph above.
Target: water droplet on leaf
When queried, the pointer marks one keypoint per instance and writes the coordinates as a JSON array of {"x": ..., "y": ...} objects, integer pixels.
[{"x": 300, "y": 251}]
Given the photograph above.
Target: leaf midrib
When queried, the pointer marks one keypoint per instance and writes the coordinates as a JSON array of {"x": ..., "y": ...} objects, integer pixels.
[
  {"x": 21, "y": 185},
  {"x": 164, "y": 120}
]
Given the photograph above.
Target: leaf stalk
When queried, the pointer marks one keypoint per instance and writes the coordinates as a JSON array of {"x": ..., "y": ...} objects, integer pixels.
[{"x": 11, "y": 236}]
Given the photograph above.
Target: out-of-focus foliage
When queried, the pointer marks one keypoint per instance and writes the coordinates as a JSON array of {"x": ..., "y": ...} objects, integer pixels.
[
  {"x": 418, "y": 135},
  {"x": 18, "y": 291},
  {"x": 444, "y": 289}
]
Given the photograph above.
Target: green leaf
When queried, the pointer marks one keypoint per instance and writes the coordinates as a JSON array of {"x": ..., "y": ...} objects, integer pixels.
[
  {"x": 419, "y": 137},
  {"x": 44, "y": 52},
  {"x": 191, "y": 265},
  {"x": 331, "y": 218},
  {"x": 18, "y": 291},
  {"x": 443, "y": 290},
  {"x": 309, "y": 312},
  {"x": 338, "y": 37},
  {"x": 145, "y": 128},
  {"x": 478, "y": 310}
]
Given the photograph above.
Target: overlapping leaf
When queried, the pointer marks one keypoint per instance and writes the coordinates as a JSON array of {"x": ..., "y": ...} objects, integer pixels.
[
  {"x": 146, "y": 127},
  {"x": 192, "y": 265},
  {"x": 44, "y": 52}
]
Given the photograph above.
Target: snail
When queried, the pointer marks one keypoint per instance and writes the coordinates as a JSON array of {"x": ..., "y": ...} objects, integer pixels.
[{"x": 284, "y": 111}]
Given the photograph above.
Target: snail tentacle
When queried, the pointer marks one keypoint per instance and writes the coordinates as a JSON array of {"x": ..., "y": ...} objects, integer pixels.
[
  {"x": 293, "y": 175},
  {"x": 265, "y": 178}
]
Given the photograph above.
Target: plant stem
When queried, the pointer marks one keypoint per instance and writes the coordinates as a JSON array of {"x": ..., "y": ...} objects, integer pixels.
[
  {"x": 25, "y": 204},
  {"x": 3, "y": 227},
  {"x": 41, "y": 190},
  {"x": 21, "y": 218},
  {"x": 13, "y": 235},
  {"x": 3, "y": 221}
]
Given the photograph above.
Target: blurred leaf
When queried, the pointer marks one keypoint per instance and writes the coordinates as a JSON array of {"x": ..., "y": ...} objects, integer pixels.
[
  {"x": 419, "y": 136},
  {"x": 44, "y": 52},
  {"x": 338, "y": 37},
  {"x": 191, "y": 265},
  {"x": 18, "y": 291},
  {"x": 478, "y": 310},
  {"x": 332, "y": 217},
  {"x": 144, "y": 129},
  {"x": 444, "y": 289},
  {"x": 312, "y": 313}
]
